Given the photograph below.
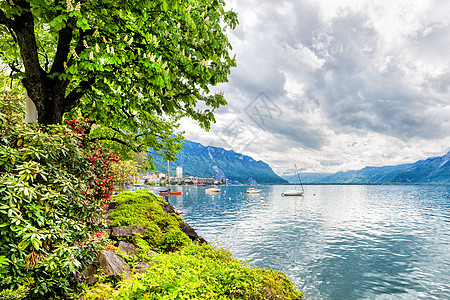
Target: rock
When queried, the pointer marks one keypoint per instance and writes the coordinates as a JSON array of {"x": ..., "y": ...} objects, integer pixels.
[
  {"x": 90, "y": 271},
  {"x": 168, "y": 209},
  {"x": 128, "y": 248},
  {"x": 201, "y": 240},
  {"x": 190, "y": 232},
  {"x": 128, "y": 231},
  {"x": 112, "y": 265}
]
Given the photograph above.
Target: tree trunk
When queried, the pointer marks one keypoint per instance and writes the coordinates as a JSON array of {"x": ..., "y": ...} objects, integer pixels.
[
  {"x": 51, "y": 106},
  {"x": 48, "y": 94}
]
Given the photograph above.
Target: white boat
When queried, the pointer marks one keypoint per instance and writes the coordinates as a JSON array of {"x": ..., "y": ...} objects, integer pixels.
[
  {"x": 253, "y": 191},
  {"x": 294, "y": 192},
  {"x": 212, "y": 190}
]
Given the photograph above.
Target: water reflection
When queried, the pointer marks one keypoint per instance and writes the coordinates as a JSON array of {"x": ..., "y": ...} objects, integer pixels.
[{"x": 336, "y": 242}]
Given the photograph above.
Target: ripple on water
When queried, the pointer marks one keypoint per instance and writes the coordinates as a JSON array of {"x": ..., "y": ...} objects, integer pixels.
[{"x": 345, "y": 242}]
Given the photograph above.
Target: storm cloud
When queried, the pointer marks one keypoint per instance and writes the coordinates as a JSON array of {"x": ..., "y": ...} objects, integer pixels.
[{"x": 352, "y": 84}]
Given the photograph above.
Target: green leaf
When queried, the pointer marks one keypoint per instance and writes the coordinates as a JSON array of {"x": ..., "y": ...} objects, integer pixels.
[{"x": 57, "y": 23}]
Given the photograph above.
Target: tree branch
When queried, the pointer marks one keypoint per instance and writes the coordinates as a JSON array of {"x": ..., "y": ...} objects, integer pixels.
[
  {"x": 129, "y": 115},
  {"x": 5, "y": 20},
  {"x": 75, "y": 95},
  {"x": 26, "y": 37},
  {"x": 13, "y": 67},
  {"x": 44, "y": 55},
  {"x": 62, "y": 50},
  {"x": 114, "y": 139},
  {"x": 79, "y": 46}
]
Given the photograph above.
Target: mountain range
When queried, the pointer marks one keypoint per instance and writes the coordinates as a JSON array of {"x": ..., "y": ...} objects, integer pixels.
[
  {"x": 214, "y": 162},
  {"x": 431, "y": 170},
  {"x": 305, "y": 177}
]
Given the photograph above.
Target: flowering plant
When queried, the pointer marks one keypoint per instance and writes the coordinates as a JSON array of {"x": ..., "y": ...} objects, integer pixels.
[{"x": 53, "y": 186}]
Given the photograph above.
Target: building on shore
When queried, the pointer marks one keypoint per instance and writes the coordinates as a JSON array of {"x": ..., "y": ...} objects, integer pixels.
[{"x": 179, "y": 172}]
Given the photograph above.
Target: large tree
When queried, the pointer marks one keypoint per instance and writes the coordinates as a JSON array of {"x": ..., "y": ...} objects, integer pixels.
[{"x": 134, "y": 67}]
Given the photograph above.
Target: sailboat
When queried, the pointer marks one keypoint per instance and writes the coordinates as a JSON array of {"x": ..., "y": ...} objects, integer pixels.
[{"x": 295, "y": 192}]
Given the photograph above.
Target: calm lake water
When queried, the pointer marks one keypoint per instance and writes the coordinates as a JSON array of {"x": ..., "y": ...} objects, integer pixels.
[{"x": 337, "y": 241}]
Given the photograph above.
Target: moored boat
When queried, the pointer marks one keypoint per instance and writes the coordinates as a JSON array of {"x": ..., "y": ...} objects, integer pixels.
[
  {"x": 212, "y": 190},
  {"x": 168, "y": 192},
  {"x": 292, "y": 193},
  {"x": 253, "y": 191},
  {"x": 295, "y": 192}
]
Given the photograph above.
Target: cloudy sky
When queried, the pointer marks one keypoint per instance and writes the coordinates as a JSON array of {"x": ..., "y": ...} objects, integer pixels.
[{"x": 336, "y": 84}]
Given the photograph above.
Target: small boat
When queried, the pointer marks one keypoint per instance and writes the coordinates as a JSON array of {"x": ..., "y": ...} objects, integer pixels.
[
  {"x": 168, "y": 192},
  {"x": 294, "y": 192},
  {"x": 212, "y": 190},
  {"x": 253, "y": 191}
]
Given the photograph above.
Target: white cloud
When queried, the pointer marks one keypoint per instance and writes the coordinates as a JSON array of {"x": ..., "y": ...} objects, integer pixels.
[{"x": 357, "y": 82}]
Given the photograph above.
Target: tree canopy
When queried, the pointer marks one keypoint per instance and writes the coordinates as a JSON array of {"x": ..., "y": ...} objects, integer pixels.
[{"x": 133, "y": 67}]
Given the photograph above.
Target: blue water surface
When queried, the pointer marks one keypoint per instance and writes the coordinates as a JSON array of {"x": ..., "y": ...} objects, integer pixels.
[{"x": 337, "y": 241}]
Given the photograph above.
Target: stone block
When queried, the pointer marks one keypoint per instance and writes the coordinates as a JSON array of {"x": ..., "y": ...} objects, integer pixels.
[
  {"x": 128, "y": 248},
  {"x": 128, "y": 231}
]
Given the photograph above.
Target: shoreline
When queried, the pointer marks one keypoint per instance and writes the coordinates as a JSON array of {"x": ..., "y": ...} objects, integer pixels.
[{"x": 163, "y": 255}]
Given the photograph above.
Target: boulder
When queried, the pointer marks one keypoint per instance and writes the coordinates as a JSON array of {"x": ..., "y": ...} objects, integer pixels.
[
  {"x": 112, "y": 265},
  {"x": 89, "y": 273},
  {"x": 168, "y": 209},
  {"x": 128, "y": 248},
  {"x": 190, "y": 232},
  {"x": 130, "y": 231},
  {"x": 201, "y": 240}
]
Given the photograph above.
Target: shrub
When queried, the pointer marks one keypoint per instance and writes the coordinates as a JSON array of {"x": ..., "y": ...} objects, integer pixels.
[
  {"x": 53, "y": 185},
  {"x": 181, "y": 269},
  {"x": 200, "y": 272},
  {"x": 144, "y": 208}
]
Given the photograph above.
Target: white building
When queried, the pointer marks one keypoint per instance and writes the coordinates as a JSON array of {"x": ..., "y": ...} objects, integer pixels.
[{"x": 179, "y": 172}]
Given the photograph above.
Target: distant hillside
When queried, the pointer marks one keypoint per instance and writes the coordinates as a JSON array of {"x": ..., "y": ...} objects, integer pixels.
[
  {"x": 305, "y": 177},
  {"x": 431, "y": 170},
  {"x": 214, "y": 162}
]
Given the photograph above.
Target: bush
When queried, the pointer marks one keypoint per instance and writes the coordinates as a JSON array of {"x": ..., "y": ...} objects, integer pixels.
[
  {"x": 181, "y": 269},
  {"x": 144, "y": 208},
  {"x": 53, "y": 185},
  {"x": 200, "y": 272}
]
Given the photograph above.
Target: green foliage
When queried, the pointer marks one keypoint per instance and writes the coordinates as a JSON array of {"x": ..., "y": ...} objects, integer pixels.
[
  {"x": 187, "y": 270},
  {"x": 133, "y": 67},
  {"x": 201, "y": 272},
  {"x": 18, "y": 293},
  {"x": 53, "y": 185},
  {"x": 144, "y": 208},
  {"x": 125, "y": 172}
]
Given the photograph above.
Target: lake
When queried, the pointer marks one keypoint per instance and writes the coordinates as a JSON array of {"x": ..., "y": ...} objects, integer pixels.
[{"x": 337, "y": 241}]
